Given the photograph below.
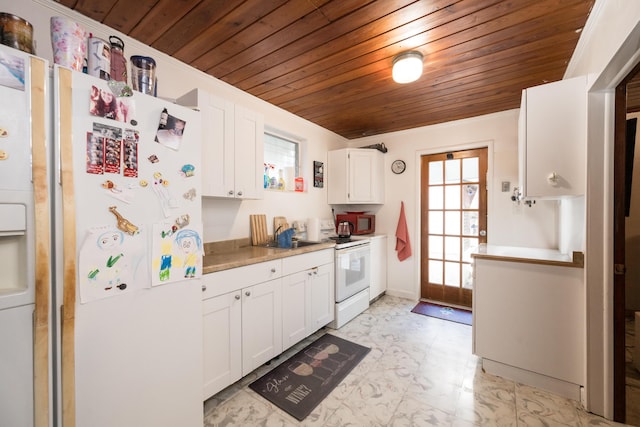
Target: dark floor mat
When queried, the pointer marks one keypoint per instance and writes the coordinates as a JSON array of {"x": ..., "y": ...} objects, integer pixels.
[
  {"x": 442, "y": 312},
  {"x": 299, "y": 384}
]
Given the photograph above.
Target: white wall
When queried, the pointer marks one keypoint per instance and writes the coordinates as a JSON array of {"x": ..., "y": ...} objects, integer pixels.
[{"x": 508, "y": 224}]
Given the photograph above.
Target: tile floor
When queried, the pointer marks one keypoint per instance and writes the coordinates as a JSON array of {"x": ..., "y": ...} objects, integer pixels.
[{"x": 420, "y": 372}]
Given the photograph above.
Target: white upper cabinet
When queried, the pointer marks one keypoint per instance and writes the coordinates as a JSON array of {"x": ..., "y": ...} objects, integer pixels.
[
  {"x": 553, "y": 138},
  {"x": 249, "y": 154},
  {"x": 232, "y": 147},
  {"x": 355, "y": 175}
]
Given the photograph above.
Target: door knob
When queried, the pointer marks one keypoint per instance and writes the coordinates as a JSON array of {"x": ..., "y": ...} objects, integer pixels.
[{"x": 483, "y": 233}]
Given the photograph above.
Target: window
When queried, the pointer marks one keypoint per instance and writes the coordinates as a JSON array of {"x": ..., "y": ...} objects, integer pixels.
[{"x": 281, "y": 161}]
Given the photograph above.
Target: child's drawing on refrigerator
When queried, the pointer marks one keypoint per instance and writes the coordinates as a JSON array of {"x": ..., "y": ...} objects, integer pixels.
[
  {"x": 189, "y": 242},
  {"x": 177, "y": 253},
  {"x": 107, "y": 263}
]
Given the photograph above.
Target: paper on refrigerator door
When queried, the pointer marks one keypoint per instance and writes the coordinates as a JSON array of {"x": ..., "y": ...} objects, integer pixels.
[
  {"x": 177, "y": 253},
  {"x": 108, "y": 261}
]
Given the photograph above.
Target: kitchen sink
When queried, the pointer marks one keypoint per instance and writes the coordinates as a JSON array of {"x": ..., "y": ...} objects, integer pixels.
[
  {"x": 271, "y": 245},
  {"x": 300, "y": 244},
  {"x": 303, "y": 243}
]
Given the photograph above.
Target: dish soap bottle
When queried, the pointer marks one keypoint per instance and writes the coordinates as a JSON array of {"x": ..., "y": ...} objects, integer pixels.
[{"x": 281, "y": 183}]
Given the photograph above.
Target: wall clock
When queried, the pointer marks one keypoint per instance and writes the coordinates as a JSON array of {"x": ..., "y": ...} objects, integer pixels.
[{"x": 398, "y": 166}]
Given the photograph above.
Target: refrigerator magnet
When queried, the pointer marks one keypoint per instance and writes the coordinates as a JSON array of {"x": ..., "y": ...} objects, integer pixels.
[
  {"x": 123, "y": 194},
  {"x": 124, "y": 224},
  {"x": 4, "y": 133},
  {"x": 190, "y": 194},
  {"x": 187, "y": 170},
  {"x": 183, "y": 220}
]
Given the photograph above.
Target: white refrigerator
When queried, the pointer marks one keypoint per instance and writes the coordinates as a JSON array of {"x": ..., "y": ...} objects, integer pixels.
[
  {"x": 25, "y": 274},
  {"x": 128, "y": 256}
]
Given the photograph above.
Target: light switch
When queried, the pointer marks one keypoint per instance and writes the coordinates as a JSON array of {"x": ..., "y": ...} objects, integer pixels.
[{"x": 506, "y": 186}]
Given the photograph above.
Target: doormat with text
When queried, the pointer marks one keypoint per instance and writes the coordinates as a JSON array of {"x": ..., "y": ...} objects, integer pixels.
[
  {"x": 300, "y": 383},
  {"x": 442, "y": 312}
]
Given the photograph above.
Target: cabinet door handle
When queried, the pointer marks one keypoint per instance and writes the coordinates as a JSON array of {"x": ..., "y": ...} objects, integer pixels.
[
  {"x": 309, "y": 273},
  {"x": 248, "y": 293},
  {"x": 237, "y": 297},
  {"x": 230, "y": 192},
  {"x": 273, "y": 270},
  {"x": 240, "y": 193},
  {"x": 204, "y": 288}
]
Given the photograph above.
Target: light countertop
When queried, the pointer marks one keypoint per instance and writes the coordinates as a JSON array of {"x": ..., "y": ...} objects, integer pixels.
[
  {"x": 529, "y": 255},
  {"x": 231, "y": 255}
]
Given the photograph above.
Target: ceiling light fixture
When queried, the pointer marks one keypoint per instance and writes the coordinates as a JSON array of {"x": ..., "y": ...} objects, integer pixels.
[{"x": 407, "y": 67}]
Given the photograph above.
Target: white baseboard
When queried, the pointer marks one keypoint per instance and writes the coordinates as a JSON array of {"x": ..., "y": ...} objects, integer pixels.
[{"x": 554, "y": 385}]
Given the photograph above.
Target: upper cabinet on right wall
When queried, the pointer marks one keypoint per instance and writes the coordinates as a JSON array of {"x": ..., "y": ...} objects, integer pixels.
[
  {"x": 553, "y": 138},
  {"x": 355, "y": 176}
]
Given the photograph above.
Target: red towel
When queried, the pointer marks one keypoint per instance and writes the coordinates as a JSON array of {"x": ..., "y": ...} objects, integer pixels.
[{"x": 403, "y": 245}]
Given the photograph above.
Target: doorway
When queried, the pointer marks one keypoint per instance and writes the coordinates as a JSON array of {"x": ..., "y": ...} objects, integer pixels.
[
  {"x": 454, "y": 217},
  {"x": 627, "y": 101}
]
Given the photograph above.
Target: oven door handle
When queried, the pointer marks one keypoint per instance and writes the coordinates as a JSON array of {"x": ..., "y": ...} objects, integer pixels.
[{"x": 352, "y": 249}]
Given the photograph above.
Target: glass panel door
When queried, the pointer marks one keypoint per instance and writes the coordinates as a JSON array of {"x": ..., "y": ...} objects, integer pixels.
[{"x": 454, "y": 219}]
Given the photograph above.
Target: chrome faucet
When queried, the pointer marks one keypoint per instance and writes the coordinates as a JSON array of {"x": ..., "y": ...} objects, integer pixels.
[{"x": 275, "y": 234}]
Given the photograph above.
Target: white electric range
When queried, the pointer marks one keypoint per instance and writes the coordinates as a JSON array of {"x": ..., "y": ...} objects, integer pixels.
[{"x": 352, "y": 274}]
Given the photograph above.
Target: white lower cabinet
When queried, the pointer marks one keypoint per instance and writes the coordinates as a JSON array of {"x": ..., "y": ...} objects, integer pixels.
[
  {"x": 242, "y": 331},
  {"x": 242, "y": 322},
  {"x": 252, "y": 314},
  {"x": 529, "y": 323},
  {"x": 307, "y": 296},
  {"x": 378, "y": 276},
  {"x": 222, "y": 316},
  {"x": 261, "y": 324},
  {"x": 322, "y": 297},
  {"x": 295, "y": 297}
]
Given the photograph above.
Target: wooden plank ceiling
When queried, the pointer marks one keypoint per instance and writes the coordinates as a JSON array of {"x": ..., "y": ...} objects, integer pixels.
[{"x": 329, "y": 61}]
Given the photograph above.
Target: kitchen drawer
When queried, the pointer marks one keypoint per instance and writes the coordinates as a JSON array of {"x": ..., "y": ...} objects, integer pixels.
[
  {"x": 221, "y": 282},
  {"x": 296, "y": 263}
]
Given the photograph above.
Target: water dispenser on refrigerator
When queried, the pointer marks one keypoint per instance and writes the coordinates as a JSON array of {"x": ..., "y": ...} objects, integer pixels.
[{"x": 13, "y": 249}]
